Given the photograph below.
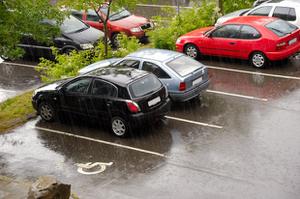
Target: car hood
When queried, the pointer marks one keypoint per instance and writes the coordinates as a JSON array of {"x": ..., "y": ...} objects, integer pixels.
[
  {"x": 130, "y": 22},
  {"x": 198, "y": 32},
  {"x": 90, "y": 35},
  {"x": 52, "y": 86}
]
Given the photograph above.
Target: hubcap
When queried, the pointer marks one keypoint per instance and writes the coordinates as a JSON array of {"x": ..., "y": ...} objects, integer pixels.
[
  {"x": 258, "y": 60},
  {"x": 46, "y": 112},
  {"x": 191, "y": 51},
  {"x": 118, "y": 127}
]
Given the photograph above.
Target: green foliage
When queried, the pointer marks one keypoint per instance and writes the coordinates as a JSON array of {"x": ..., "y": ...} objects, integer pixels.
[
  {"x": 169, "y": 29},
  {"x": 233, "y": 5},
  {"x": 19, "y": 17},
  {"x": 68, "y": 65}
]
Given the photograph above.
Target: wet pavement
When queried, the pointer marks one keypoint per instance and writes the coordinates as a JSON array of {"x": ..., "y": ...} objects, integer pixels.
[
  {"x": 15, "y": 79},
  {"x": 251, "y": 152}
]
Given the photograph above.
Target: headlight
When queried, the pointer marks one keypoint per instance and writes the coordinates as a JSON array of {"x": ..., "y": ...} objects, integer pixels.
[
  {"x": 178, "y": 41},
  {"x": 86, "y": 46},
  {"x": 133, "y": 30}
]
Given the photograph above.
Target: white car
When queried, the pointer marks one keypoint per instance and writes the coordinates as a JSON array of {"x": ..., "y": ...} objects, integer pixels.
[
  {"x": 288, "y": 10},
  {"x": 1, "y": 60}
]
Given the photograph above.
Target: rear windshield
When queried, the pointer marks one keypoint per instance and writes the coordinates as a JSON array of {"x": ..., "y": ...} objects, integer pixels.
[
  {"x": 281, "y": 28},
  {"x": 144, "y": 86},
  {"x": 184, "y": 65}
]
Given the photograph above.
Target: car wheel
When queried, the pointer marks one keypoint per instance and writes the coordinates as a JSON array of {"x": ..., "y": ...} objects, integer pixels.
[
  {"x": 192, "y": 51},
  {"x": 67, "y": 51},
  {"x": 119, "y": 127},
  {"x": 46, "y": 111},
  {"x": 258, "y": 60},
  {"x": 115, "y": 41}
]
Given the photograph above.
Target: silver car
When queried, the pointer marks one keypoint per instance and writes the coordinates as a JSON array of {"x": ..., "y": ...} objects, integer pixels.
[{"x": 184, "y": 77}]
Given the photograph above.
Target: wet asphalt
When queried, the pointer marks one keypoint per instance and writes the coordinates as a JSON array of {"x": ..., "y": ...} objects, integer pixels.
[{"x": 252, "y": 151}]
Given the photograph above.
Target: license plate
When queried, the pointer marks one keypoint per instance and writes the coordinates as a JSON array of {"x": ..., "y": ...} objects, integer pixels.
[
  {"x": 292, "y": 41},
  {"x": 197, "y": 81},
  {"x": 154, "y": 101}
]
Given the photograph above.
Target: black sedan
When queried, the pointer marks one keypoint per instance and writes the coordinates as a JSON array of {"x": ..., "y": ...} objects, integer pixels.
[
  {"x": 125, "y": 97},
  {"x": 74, "y": 35}
]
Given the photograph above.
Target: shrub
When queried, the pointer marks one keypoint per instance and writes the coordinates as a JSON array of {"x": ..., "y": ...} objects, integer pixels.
[
  {"x": 165, "y": 34},
  {"x": 233, "y": 5},
  {"x": 67, "y": 65}
]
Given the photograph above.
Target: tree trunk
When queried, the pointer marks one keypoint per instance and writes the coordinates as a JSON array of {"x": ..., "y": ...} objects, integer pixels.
[{"x": 220, "y": 5}]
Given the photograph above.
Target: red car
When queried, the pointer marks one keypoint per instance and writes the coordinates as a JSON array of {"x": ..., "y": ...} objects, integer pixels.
[
  {"x": 121, "y": 21},
  {"x": 254, "y": 38}
]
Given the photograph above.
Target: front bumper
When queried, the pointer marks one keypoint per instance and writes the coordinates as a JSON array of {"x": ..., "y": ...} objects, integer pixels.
[
  {"x": 185, "y": 96},
  {"x": 141, "y": 118}
]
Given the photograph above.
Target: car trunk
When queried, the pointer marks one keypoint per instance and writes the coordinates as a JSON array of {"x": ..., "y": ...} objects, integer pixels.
[
  {"x": 288, "y": 41},
  {"x": 195, "y": 78}
]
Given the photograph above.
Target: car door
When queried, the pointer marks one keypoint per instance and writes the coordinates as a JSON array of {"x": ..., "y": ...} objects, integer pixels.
[
  {"x": 224, "y": 41},
  {"x": 102, "y": 96},
  {"x": 73, "y": 95},
  {"x": 249, "y": 41}
]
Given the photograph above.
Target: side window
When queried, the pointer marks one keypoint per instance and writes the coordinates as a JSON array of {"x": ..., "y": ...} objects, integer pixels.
[
  {"x": 79, "y": 86},
  {"x": 227, "y": 31},
  {"x": 248, "y": 32},
  {"x": 262, "y": 11},
  {"x": 285, "y": 13},
  {"x": 130, "y": 63},
  {"x": 91, "y": 15},
  {"x": 156, "y": 70},
  {"x": 103, "y": 89}
]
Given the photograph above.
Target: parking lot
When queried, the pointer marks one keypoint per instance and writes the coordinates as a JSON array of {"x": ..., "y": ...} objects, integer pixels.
[{"x": 241, "y": 139}]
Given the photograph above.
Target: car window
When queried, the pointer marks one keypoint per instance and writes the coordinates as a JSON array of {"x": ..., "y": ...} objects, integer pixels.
[
  {"x": 129, "y": 63},
  {"x": 156, "y": 70},
  {"x": 79, "y": 86},
  {"x": 281, "y": 27},
  {"x": 184, "y": 65},
  {"x": 144, "y": 86},
  {"x": 103, "y": 89},
  {"x": 227, "y": 31},
  {"x": 92, "y": 16},
  {"x": 72, "y": 25},
  {"x": 77, "y": 14},
  {"x": 262, "y": 11},
  {"x": 285, "y": 13},
  {"x": 248, "y": 32}
]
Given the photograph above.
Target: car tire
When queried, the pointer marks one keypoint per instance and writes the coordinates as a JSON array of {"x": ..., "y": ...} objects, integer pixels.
[
  {"x": 114, "y": 40},
  {"x": 67, "y": 51},
  {"x": 192, "y": 51},
  {"x": 258, "y": 60},
  {"x": 47, "y": 111},
  {"x": 120, "y": 127}
]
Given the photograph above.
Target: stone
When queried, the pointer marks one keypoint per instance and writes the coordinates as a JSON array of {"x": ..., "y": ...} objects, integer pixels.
[{"x": 48, "y": 187}]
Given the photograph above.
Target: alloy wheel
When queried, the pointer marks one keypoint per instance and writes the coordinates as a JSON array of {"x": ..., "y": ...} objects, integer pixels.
[
  {"x": 119, "y": 127},
  {"x": 258, "y": 60}
]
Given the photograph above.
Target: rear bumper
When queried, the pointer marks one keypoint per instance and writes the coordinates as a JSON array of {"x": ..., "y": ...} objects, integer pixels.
[
  {"x": 141, "y": 118},
  {"x": 179, "y": 47},
  {"x": 185, "y": 96},
  {"x": 273, "y": 56}
]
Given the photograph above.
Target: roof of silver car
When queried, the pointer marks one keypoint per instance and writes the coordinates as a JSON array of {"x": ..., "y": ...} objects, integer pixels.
[{"x": 155, "y": 54}]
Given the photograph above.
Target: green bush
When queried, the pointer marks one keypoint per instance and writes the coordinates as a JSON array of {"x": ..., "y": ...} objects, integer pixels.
[
  {"x": 169, "y": 29},
  {"x": 233, "y": 5},
  {"x": 68, "y": 65}
]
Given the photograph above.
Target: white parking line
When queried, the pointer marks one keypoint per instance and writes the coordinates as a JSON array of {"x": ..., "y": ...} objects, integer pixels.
[
  {"x": 101, "y": 141},
  {"x": 194, "y": 122},
  {"x": 237, "y": 95},
  {"x": 7, "y": 91},
  {"x": 254, "y": 73},
  {"x": 17, "y": 64}
]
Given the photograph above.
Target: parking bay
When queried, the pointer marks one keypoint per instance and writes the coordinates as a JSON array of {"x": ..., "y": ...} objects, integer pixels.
[{"x": 254, "y": 154}]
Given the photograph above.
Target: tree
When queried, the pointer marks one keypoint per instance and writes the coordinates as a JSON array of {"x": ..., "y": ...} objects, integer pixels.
[
  {"x": 19, "y": 17},
  {"x": 98, "y": 6}
]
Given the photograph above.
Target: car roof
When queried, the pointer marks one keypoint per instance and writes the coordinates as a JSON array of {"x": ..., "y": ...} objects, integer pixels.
[
  {"x": 118, "y": 75},
  {"x": 284, "y": 3},
  {"x": 155, "y": 54},
  {"x": 251, "y": 20}
]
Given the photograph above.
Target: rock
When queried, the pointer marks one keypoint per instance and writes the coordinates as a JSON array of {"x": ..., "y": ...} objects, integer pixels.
[{"x": 47, "y": 187}]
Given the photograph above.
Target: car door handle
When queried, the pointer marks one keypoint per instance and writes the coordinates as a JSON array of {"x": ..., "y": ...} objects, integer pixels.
[{"x": 232, "y": 43}]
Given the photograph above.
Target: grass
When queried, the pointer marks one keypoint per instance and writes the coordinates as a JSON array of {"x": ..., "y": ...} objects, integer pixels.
[{"x": 15, "y": 111}]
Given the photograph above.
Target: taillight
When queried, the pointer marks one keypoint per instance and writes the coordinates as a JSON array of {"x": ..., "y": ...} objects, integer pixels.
[
  {"x": 133, "y": 106},
  {"x": 182, "y": 86},
  {"x": 280, "y": 46}
]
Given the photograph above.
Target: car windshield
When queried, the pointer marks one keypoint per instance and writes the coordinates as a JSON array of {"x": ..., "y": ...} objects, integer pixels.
[
  {"x": 184, "y": 65},
  {"x": 72, "y": 25},
  {"x": 281, "y": 27},
  {"x": 144, "y": 86},
  {"x": 117, "y": 15}
]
